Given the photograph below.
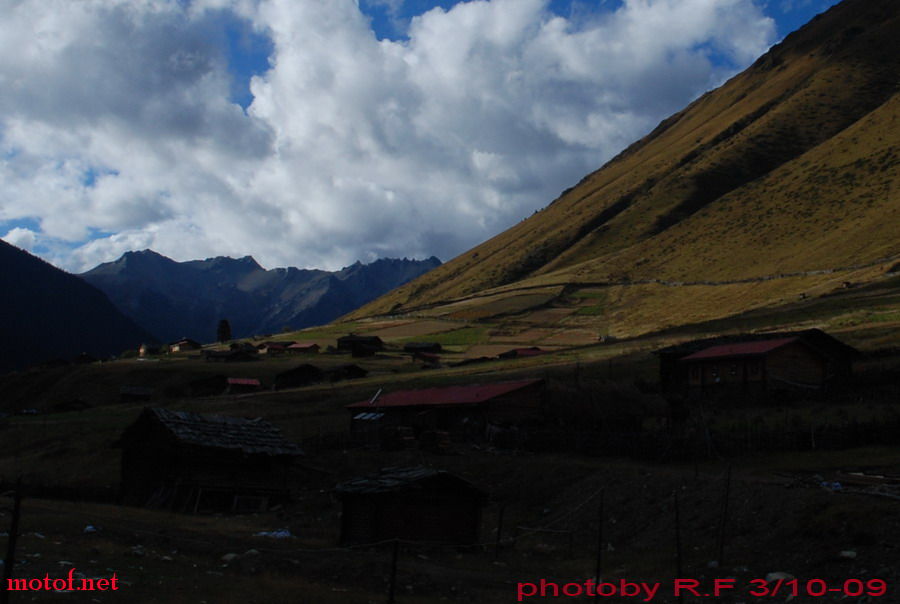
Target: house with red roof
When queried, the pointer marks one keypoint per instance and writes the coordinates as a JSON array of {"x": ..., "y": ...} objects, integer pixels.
[
  {"x": 756, "y": 366},
  {"x": 274, "y": 348},
  {"x": 464, "y": 411},
  {"x": 303, "y": 348},
  {"x": 757, "y": 362},
  {"x": 236, "y": 385}
]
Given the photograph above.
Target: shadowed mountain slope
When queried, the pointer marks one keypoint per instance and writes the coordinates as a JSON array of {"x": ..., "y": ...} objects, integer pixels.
[
  {"x": 790, "y": 167},
  {"x": 50, "y": 314}
]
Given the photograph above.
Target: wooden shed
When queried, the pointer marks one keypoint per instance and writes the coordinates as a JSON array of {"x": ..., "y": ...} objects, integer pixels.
[
  {"x": 423, "y": 347},
  {"x": 461, "y": 410},
  {"x": 360, "y": 346},
  {"x": 230, "y": 356},
  {"x": 349, "y": 371},
  {"x": 199, "y": 463},
  {"x": 416, "y": 504},
  {"x": 303, "y": 348},
  {"x": 302, "y": 375},
  {"x": 274, "y": 348},
  {"x": 241, "y": 385},
  {"x": 184, "y": 344}
]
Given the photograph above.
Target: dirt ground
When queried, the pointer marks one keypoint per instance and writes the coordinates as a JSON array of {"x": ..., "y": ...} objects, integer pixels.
[{"x": 779, "y": 519}]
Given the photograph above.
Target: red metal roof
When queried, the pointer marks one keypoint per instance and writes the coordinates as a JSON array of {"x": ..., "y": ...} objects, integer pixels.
[
  {"x": 740, "y": 349},
  {"x": 451, "y": 395},
  {"x": 243, "y": 381},
  {"x": 303, "y": 345}
]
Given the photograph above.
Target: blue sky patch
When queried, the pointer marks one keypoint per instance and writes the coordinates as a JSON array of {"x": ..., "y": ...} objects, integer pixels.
[{"x": 247, "y": 52}]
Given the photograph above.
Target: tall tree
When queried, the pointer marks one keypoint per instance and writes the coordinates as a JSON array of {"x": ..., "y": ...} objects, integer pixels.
[{"x": 223, "y": 333}]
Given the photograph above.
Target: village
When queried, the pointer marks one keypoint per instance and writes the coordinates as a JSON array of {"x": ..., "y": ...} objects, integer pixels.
[{"x": 355, "y": 444}]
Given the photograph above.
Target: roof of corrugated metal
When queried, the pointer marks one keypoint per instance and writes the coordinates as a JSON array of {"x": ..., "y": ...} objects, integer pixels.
[
  {"x": 449, "y": 395},
  {"x": 222, "y": 432},
  {"x": 741, "y": 349}
]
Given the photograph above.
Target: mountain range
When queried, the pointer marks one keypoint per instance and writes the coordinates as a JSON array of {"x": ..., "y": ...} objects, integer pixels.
[
  {"x": 188, "y": 299},
  {"x": 779, "y": 184}
]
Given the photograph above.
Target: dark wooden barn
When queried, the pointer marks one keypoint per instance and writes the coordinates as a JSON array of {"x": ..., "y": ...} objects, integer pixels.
[
  {"x": 201, "y": 463},
  {"x": 303, "y": 348},
  {"x": 360, "y": 346},
  {"x": 302, "y": 375},
  {"x": 464, "y": 411},
  {"x": 240, "y": 355},
  {"x": 423, "y": 347},
  {"x": 416, "y": 504},
  {"x": 348, "y": 371},
  {"x": 240, "y": 385},
  {"x": 274, "y": 348},
  {"x": 184, "y": 344},
  {"x": 808, "y": 359}
]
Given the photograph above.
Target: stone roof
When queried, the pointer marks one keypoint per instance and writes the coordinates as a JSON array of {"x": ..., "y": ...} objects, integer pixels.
[{"x": 251, "y": 436}]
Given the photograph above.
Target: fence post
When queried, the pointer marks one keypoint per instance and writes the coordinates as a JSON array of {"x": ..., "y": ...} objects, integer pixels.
[
  {"x": 393, "y": 583},
  {"x": 11, "y": 543},
  {"x": 678, "y": 566},
  {"x": 599, "y": 567},
  {"x": 499, "y": 531},
  {"x": 724, "y": 520}
]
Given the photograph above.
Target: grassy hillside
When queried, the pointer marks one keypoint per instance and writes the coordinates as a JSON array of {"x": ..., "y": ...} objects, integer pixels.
[{"x": 789, "y": 168}]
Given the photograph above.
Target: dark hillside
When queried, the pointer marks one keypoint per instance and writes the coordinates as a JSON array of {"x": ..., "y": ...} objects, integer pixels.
[{"x": 50, "y": 314}]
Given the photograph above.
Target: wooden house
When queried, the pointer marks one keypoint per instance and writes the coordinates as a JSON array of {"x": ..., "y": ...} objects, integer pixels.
[
  {"x": 423, "y": 347},
  {"x": 808, "y": 360},
  {"x": 274, "y": 348},
  {"x": 190, "y": 462},
  {"x": 303, "y": 348},
  {"x": 238, "y": 355},
  {"x": 302, "y": 375},
  {"x": 464, "y": 411},
  {"x": 416, "y": 504},
  {"x": 349, "y": 371},
  {"x": 184, "y": 344},
  {"x": 147, "y": 350},
  {"x": 360, "y": 346},
  {"x": 235, "y": 385}
]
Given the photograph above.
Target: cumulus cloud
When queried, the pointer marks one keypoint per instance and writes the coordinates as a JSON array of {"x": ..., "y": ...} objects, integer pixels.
[
  {"x": 21, "y": 237},
  {"x": 117, "y": 130}
]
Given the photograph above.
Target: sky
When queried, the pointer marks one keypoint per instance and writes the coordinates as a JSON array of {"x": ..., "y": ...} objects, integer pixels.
[{"x": 316, "y": 133}]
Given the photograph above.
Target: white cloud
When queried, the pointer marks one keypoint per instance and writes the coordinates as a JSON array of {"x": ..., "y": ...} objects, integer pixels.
[
  {"x": 21, "y": 237},
  {"x": 117, "y": 133}
]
